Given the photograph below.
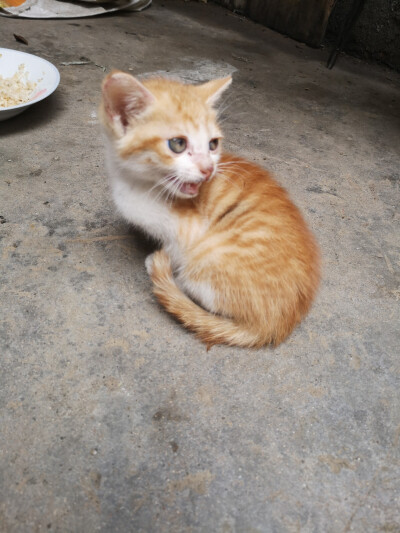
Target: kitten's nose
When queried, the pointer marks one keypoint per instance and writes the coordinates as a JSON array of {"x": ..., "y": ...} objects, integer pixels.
[{"x": 207, "y": 171}]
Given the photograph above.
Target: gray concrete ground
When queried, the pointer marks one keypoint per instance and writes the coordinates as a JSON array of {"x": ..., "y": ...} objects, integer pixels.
[{"x": 116, "y": 419}]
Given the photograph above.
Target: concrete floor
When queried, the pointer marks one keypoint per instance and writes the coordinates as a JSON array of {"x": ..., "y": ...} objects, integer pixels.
[{"x": 116, "y": 419}]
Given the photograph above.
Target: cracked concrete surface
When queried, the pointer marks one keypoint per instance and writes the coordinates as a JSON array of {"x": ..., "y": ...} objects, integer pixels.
[{"x": 116, "y": 419}]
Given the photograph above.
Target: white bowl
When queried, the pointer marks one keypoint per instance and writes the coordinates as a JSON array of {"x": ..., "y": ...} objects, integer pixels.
[{"x": 40, "y": 71}]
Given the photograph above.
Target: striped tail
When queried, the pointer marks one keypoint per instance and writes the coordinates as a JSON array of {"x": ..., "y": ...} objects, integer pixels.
[{"x": 209, "y": 328}]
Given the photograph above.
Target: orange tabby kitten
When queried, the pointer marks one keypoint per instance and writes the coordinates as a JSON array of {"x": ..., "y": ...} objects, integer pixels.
[{"x": 238, "y": 264}]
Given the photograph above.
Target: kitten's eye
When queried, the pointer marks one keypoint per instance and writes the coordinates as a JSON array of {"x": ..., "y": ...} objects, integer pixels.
[
  {"x": 177, "y": 144},
  {"x": 213, "y": 144}
]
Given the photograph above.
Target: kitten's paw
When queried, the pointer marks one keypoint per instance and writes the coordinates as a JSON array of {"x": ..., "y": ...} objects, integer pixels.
[{"x": 149, "y": 264}]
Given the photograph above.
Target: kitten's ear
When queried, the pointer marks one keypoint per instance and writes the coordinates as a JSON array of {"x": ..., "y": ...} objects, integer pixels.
[
  {"x": 213, "y": 89},
  {"x": 124, "y": 99}
]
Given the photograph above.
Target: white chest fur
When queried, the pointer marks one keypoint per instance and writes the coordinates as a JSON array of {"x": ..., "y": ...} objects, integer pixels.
[{"x": 143, "y": 210}]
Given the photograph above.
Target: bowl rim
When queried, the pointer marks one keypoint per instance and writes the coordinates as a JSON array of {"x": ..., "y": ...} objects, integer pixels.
[{"x": 43, "y": 96}]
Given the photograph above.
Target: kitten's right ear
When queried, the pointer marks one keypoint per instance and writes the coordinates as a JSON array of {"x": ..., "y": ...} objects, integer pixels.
[
  {"x": 124, "y": 99},
  {"x": 212, "y": 90}
]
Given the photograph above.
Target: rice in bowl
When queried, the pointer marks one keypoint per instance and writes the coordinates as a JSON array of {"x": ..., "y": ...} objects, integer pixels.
[{"x": 17, "y": 89}]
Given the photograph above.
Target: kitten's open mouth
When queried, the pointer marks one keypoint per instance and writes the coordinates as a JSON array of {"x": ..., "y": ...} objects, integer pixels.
[
  {"x": 186, "y": 188},
  {"x": 190, "y": 189}
]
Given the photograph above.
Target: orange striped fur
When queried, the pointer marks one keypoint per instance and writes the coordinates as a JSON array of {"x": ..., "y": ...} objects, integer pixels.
[{"x": 238, "y": 264}]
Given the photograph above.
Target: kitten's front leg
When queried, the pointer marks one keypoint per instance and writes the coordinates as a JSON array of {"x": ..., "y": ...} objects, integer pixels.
[
  {"x": 149, "y": 263},
  {"x": 200, "y": 291},
  {"x": 174, "y": 254}
]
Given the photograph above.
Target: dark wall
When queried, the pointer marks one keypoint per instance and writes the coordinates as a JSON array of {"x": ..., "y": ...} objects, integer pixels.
[
  {"x": 303, "y": 20},
  {"x": 375, "y": 35}
]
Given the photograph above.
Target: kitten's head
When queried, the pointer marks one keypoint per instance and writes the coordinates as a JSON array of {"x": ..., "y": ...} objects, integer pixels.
[{"x": 163, "y": 130}]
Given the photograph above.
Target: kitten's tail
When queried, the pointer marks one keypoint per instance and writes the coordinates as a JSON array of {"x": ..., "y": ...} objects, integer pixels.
[{"x": 209, "y": 328}]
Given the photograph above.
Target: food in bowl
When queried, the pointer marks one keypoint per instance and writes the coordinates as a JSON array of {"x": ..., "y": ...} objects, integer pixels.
[{"x": 17, "y": 89}]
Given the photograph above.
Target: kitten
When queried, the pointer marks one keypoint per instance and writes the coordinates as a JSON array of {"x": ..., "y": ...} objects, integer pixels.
[{"x": 238, "y": 264}]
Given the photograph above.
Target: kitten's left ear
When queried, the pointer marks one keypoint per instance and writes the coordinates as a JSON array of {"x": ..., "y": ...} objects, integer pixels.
[
  {"x": 212, "y": 90},
  {"x": 124, "y": 99}
]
